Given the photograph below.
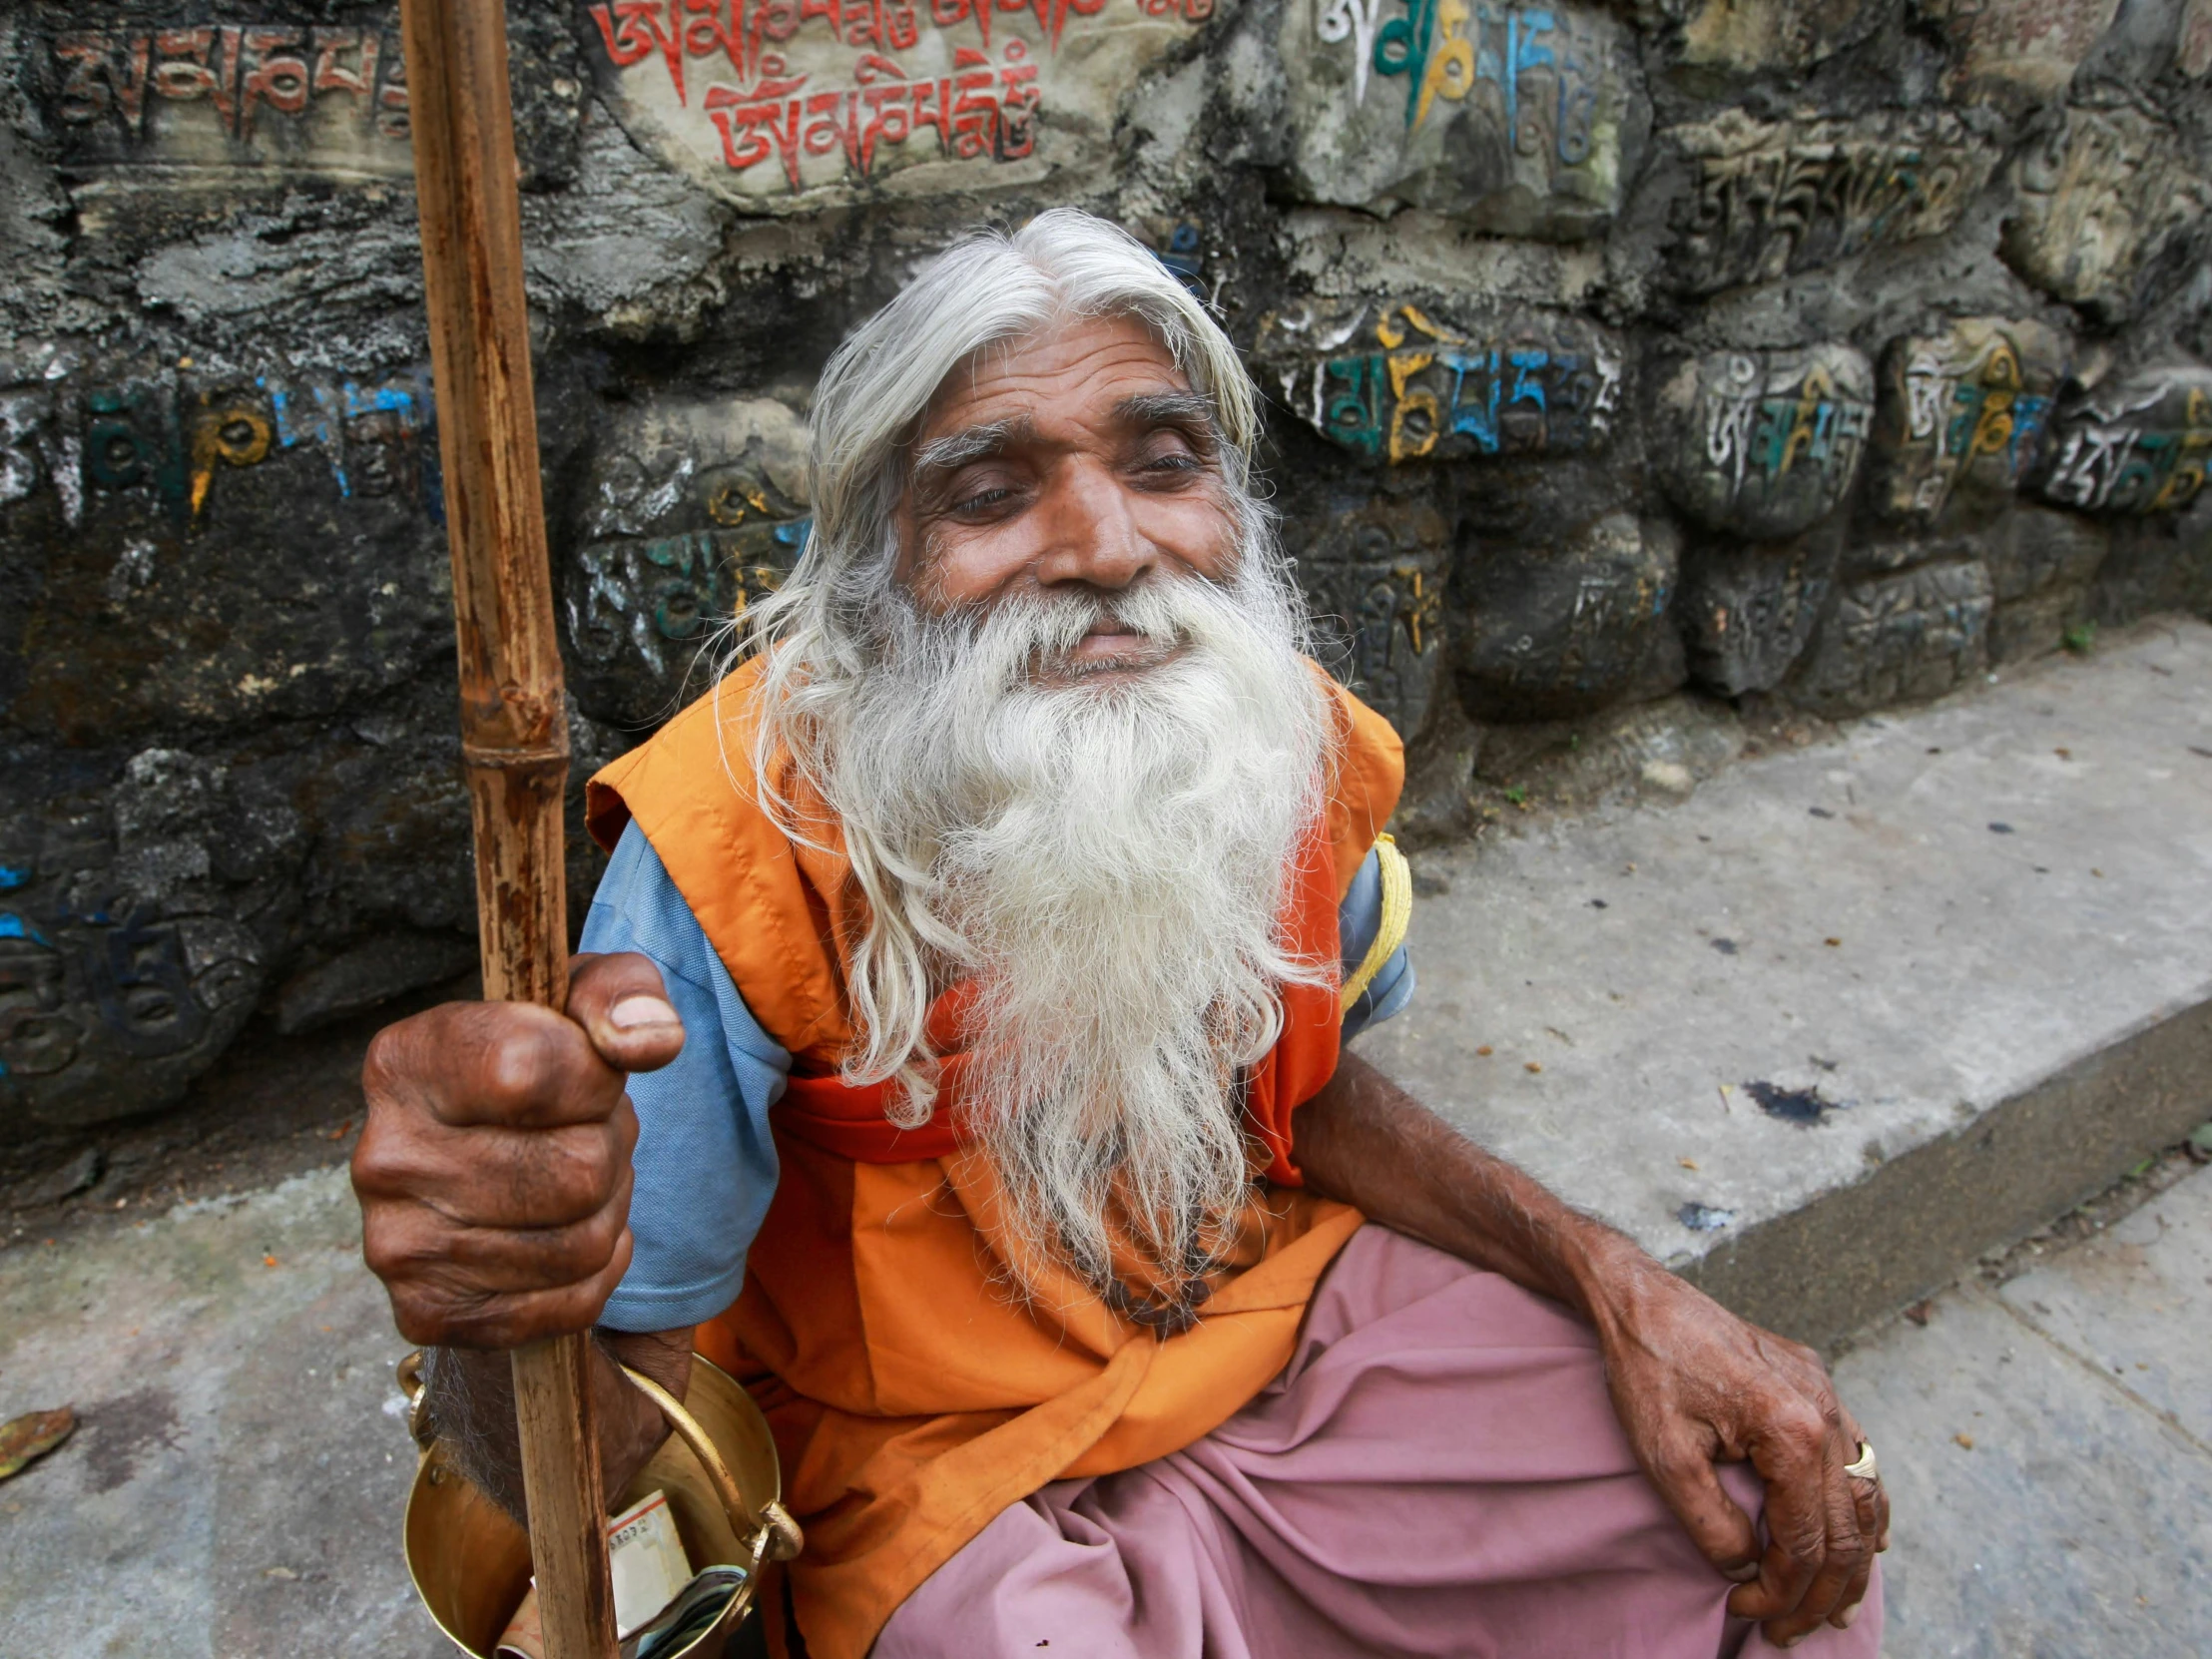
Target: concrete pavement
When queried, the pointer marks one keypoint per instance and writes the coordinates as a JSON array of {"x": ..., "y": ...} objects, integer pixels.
[
  {"x": 2049, "y": 1451},
  {"x": 235, "y": 1484}
]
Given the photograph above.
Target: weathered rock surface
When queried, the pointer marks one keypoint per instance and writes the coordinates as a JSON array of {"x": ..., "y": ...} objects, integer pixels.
[
  {"x": 1525, "y": 121},
  {"x": 1770, "y": 199},
  {"x": 1897, "y": 639},
  {"x": 1400, "y": 380},
  {"x": 1749, "y": 609},
  {"x": 1550, "y": 635},
  {"x": 1962, "y": 418},
  {"x": 1373, "y": 568},
  {"x": 210, "y": 547},
  {"x": 1764, "y": 445},
  {"x": 1790, "y": 35},
  {"x": 686, "y": 512},
  {"x": 2030, "y": 47},
  {"x": 2140, "y": 447},
  {"x": 2100, "y": 191},
  {"x": 1499, "y": 270}
]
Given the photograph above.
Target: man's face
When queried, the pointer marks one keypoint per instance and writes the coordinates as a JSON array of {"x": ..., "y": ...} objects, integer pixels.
[{"x": 1076, "y": 459}]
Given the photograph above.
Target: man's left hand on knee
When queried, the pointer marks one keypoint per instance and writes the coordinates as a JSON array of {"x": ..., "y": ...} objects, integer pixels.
[
  {"x": 1693, "y": 1383},
  {"x": 1695, "y": 1386}
]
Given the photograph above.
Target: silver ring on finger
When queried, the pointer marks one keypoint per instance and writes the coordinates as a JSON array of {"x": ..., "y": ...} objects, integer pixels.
[{"x": 1868, "y": 1467}]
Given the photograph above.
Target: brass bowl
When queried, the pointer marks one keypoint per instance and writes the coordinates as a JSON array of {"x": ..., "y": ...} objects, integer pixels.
[{"x": 470, "y": 1561}]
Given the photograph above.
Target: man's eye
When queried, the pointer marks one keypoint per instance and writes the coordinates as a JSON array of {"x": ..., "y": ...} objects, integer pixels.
[
  {"x": 982, "y": 500},
  {"x": 1173, "y": 460}
]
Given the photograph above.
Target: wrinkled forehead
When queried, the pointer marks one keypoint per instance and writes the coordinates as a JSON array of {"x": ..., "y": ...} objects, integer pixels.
[{"x": 1074, "y": 370}]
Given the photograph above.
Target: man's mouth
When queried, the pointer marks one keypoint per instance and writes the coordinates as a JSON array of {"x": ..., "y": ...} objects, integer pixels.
[
  {"x": 1110, "y": 640},
  {"x": 1111, "y": 648}
]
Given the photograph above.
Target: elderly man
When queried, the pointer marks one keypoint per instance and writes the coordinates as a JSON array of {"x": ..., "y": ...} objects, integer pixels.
[{"x": 957, "y": 1057}]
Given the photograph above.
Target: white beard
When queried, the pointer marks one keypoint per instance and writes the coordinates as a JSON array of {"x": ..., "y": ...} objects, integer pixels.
[{"x": 1109, "y": 860}]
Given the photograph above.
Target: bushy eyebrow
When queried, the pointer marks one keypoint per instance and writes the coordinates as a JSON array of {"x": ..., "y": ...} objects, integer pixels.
[
  {"x": 1189, "y": 413},
  {"x": 975, "y": 444}
]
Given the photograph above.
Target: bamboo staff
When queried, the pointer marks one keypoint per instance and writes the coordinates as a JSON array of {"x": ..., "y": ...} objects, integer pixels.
[{"x": 514, "y": 720}]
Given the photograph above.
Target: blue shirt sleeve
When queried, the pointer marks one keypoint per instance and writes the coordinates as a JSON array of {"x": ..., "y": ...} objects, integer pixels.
[
  {"x": 1357, "y": 921},
  {"x": 705, "y": 1166}
]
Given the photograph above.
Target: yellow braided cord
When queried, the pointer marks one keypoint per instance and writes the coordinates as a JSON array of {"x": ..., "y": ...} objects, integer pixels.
[{"x": 1397, "y": 911}]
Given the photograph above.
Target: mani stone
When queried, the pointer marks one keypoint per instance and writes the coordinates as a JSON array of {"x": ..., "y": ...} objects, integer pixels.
[
  {"x": 797, "y": 110},
  {"x": 1764, "y": 445},
  {"x": 151, "y": 110},
  {"x": 1517, "y": 121},
  {"x": 2137, "y": 448},
  {"x": 1897, "y": 639},
  {"x": 1374, "y": 569},
  {"x": 2098, "y": 192},
  {"x": 1400, "y": 380},
  {"x": 1769, "y": 198},
  {"x": 2031, "y": 45},
  {"x": 127, "y": 954},
  {"x": 1748, "y": 609},
  {"x": 689, "y": 510},
  {"x": 1961, "y": 418},
  {"x": 1557, "y": 634},
  {"x": 146, "y": 110},
  {"x": 196, "y": 550}
]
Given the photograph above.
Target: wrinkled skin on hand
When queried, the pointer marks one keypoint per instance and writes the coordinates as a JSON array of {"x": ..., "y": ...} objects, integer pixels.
[
  {"x": 1693, "y": 1384},
  {"x": 493, "y": 1170}
]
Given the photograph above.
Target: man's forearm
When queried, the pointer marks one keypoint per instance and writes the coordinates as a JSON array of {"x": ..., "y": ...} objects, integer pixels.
[
  {"x": 473, "y": 1407},
  {"x": 1366, "y": 1141}
]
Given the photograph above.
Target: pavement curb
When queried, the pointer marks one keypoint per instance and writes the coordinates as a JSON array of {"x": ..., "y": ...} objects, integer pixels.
[
  {"x": 1858, "y": 1253},
  {"x": 1855, "y": 1012}
]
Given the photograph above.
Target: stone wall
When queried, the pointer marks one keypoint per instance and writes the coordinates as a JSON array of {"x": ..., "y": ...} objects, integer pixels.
[{"x": 1823, "y": 352}]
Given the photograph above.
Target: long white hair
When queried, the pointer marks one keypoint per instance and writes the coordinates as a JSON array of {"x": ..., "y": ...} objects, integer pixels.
[{"x": 1109, "y": 863}]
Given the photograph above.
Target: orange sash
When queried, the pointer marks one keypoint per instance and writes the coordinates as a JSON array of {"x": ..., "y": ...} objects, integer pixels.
[{"x": 914, "y": 1396}]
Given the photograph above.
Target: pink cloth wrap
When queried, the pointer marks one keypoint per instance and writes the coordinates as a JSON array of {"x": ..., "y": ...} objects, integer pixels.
[{"x": 1437, "y": 1470}]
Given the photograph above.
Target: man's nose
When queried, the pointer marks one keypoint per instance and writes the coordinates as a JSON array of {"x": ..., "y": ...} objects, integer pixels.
[{"x": 1091, "y": 534}]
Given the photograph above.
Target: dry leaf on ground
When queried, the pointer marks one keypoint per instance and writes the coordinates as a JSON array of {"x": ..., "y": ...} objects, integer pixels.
[{"x": 33, "y": 1435}]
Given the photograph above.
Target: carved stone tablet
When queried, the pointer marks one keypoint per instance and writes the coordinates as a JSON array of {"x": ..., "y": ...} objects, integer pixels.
[
  {"x": 1895, "y": 639},
  {"x": 1522, "y": 120},
  {"x": 2140, "y": 447},
  {"x": 1764, "y": 443},
  {"x": 691, "y": 509},
  {"x": 1398, "y": 380},
  {"x": 1374, "y": 569},
  {"x": 1556, "y": 636},
  {"x": 1772, "y": 197},
  {"x": 1749, "y": 609},
  {"x": 2099, "y": 193},
  {"x": 791, "y": 104},
  {"x": 1961, "y": 418}
]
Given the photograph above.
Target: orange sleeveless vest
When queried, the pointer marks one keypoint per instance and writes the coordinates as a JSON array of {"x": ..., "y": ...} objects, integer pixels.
[{"x": 912, "y": 1398}]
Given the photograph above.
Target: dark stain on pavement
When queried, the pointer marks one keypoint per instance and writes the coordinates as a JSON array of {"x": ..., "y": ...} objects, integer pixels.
[
  {"x": 122, "y": 1430},
  {"x": 1801, "y": 1106}
]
